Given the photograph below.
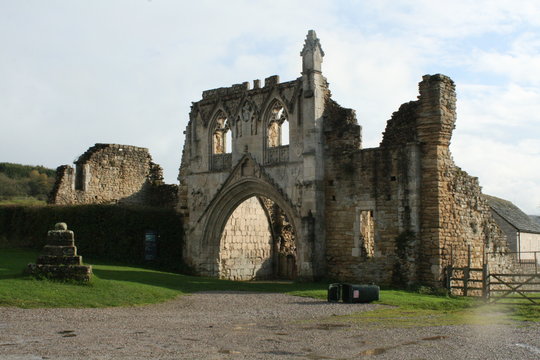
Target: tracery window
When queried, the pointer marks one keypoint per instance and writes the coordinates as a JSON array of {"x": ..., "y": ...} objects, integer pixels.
[
  {"x": 221, "y": 139},
  {"x": 278, "y": 126},
  {"x": 221, "y": 143}
]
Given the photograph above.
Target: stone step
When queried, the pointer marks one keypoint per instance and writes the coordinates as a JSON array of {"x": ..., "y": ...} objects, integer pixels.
[
  {"x": 61, "y": 272},
  {"x": 60, "y": 234},
  {"x": 54, "y": 250},
  {"x": 60, "y": 237},
  {"x": 59, "y": 260}
]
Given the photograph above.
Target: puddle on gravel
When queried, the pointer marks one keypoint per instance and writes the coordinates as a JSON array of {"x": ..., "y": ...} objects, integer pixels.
[
  {"x": 531, "y": 348},
  {"x": 281, "y": 353},
  {"x": 377, "y": 351},
  {"x": 67, "y": 333},
  {"x": 438, "y": 337},
  {"x": 227, "y": 351},
  {"x": 325, "y": 326}
]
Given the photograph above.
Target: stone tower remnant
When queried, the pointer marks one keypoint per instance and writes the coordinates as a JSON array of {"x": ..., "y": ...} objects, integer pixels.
[{"x": 59, "y": 259}]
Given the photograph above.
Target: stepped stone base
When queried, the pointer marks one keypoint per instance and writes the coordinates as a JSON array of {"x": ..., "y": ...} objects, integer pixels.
[
  {"x": 59, "y": 259},
  {"x": 81, "y": 273}
]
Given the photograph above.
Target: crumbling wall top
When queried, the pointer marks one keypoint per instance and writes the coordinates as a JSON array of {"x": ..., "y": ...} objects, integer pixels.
[
  {"x": 100, "y": 146},
  {"x": 240, "y": 89}
]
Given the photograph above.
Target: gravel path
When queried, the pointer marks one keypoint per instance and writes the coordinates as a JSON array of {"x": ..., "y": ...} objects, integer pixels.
[{"x": 229, "y": 325}]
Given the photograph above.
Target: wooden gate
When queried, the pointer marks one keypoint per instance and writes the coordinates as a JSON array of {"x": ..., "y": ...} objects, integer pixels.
[
  {"x": 511, "y": 288},
  {"x": 521, "y": 286}
]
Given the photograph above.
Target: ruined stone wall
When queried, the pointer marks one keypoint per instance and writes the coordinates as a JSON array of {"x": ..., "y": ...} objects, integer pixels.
[
  {"x": 110, "y": 173},
  {"x": 426, "y": 212},
  {"x": 454, "y": 216},
  {"x": 399, "y": 213},
  {"x": 370, "y": 186},
  {"x": 246, "y": 243}
]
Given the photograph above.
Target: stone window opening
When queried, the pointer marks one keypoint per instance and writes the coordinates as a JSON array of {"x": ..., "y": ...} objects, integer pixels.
[
  {"x": 364, "y": 233},
  {"x": 222, "y": 137},
  {"x": 79, "y": 177},
  {"x": 367, "y": 232},
  {"x": 278, "y": 126}
]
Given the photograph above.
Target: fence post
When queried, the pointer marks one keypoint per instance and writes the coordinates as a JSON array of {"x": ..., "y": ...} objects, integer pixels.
[
  {"x": 485, "y": 282},
  {"x": 466, "y": 272},
  {"x": 449, "y": 271},
  {"x": 536, "y": 262},
  {"x": 466, "y": 281}
]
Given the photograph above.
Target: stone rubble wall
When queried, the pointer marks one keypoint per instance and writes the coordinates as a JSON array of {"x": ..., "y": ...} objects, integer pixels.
[
  {"x": 246, "y": 243},
  {"x": 111, "y": 173}
]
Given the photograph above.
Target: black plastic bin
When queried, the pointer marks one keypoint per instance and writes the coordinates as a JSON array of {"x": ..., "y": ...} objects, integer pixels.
[
  {"x": 334, "y": 292},
  {"x": 351, "y": 293}
]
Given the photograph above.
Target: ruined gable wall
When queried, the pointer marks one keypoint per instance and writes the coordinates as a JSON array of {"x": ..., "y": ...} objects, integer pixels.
[
  {"x": 378, "y": 182},
  {"x": 111, "y": 173},
  {"x": 425, "y": 209}
]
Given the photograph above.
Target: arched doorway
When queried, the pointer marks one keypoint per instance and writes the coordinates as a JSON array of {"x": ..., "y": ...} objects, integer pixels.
[{"x": 257, "y": 242}]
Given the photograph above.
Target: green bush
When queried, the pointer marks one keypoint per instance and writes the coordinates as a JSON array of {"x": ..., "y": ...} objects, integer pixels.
[{"x": 104, "y": 232}]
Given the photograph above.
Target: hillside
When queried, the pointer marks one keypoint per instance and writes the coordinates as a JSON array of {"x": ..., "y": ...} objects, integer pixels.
[{"x": 25, "y": 183}]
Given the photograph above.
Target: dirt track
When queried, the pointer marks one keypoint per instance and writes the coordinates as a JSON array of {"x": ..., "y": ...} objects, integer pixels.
[{"x": 227, "y": 325}]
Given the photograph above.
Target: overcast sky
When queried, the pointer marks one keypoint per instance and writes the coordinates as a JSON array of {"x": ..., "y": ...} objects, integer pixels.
[{"x": 74, "y": 73}]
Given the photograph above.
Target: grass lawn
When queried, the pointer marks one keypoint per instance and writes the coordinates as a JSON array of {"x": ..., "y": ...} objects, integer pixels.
[
  {"x": 22, "y": 200},
  {"x": 115, "y": 285}
]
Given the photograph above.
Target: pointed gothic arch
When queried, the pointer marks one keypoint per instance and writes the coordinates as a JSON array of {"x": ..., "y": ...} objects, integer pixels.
[
  {"x": 276, "y": 132},
  {"x": 228, "y": 200},
  {"x": 220, "y": 141}
]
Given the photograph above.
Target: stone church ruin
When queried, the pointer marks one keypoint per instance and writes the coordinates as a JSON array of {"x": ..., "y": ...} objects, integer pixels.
[
  {"x": 274, "y": 183},
  {"x": 392, "y": 214}
]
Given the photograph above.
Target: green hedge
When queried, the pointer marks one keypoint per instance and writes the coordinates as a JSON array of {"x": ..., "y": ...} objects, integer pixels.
[{"x": 102, "y": 232}]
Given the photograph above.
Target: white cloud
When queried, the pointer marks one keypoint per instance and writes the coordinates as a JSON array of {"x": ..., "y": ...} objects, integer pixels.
[
  {"x": 76, "y": 73},
  {"x": 519, "y": 64},
  {"x": 507, "y": 170},
  {"x": 493, "y": 109}
]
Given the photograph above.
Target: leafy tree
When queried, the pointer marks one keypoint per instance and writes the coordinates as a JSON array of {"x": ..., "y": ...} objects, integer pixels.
[{"x": 18, "y": 180}]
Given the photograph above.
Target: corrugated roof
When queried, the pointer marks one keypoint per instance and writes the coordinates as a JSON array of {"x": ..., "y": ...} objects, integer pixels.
[{"x": 513, "y": 214}]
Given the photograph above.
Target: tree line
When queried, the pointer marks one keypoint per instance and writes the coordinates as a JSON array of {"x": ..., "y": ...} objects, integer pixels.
[{"x": 25, "y": 181}]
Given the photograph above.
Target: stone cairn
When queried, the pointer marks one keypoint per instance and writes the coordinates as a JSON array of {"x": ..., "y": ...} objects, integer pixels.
[{"x": 59, "y": 259}]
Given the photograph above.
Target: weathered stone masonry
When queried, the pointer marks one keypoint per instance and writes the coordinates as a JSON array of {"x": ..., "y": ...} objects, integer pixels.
[
  {"x": 111, "y": 173},
  {"x": 425, "y": 209},
  {"x": 274, "y": 182},
  {"x": 398, "y": 213}
]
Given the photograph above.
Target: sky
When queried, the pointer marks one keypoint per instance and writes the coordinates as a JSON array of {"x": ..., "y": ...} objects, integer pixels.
[{"x": 76, "y": 73}]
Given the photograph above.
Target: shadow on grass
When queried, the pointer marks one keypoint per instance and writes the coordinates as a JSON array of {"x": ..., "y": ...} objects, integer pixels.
[
  {"x": 14, "y": 261},
  {"x": 191, "y": 284},
  {"x": 14, "y": 276}
]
